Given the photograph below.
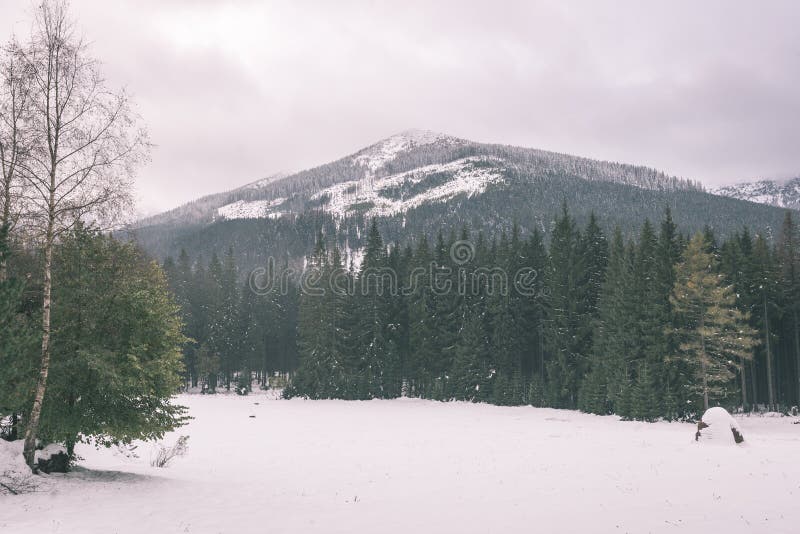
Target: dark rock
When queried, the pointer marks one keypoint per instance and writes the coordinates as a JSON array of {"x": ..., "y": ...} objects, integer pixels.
[{"x": 56, "y": 463}]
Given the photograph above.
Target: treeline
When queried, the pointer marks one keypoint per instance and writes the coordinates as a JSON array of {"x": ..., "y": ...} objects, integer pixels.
[
  {"x": 657, "y": 327},
  {"x": 234, "y": 334}
]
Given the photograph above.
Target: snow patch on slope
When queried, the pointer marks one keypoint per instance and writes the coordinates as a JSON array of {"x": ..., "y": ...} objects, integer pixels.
[
  {"x": 381, "y": 153},
  {"x": 468, "y": 177},
  {"x": 255, "y": 209}
]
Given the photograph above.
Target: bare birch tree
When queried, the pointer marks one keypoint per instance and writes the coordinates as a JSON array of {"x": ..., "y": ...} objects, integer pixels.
[
  {"x": 88, "y": 143},
  {"x": 14, "y": 117}
]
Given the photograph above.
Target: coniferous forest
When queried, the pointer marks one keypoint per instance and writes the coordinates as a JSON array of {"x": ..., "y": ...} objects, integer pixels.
[{"x": 657, "y": 327}]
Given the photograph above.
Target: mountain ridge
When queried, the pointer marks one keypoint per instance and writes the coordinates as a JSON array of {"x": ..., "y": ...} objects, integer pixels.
[
  {"x": 388, "y": 161},
  {"x": 418, "y": 183},
  {"x": 781, "y": 193}
]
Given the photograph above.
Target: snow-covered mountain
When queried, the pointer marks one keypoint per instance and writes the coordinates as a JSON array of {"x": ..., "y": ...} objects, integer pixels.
[
  {"x": 420, "y": 182},
  {"x": 401, "y": 172},
  {"x": 778, "y": 193}
]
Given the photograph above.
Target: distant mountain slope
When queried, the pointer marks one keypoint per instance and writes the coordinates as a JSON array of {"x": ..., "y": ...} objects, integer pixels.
[
  {"x": 200, "y": 209},
  {"x": 424, "y": 182},
  {"x": 782, "y": 194},
  {"x": 392, "y": 172}
]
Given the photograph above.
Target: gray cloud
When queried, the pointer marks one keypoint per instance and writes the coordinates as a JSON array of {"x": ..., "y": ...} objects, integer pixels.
[{"x": 235, "y": 90}]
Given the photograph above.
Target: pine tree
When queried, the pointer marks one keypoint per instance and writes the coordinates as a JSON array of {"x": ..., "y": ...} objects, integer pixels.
[
  {"x": 399, "y": 262},
  {"x": 667, "y": 257},
  {"x": 765, "y": 287},
  {"x": 422, "y": 330},
  {"x": 447, "y": 315},
  {"x": 564, "y": 312},
  {"x": 718, "y": 335},
  {"x": 504, "y": 321},
  {"x": 341, "y": 319},
  {"x": 470, "y": 374},
  {"x": 614, "y": 344},
  {"x": 593, "y": 248},
  {"x": 181, "y": 286},
  {"x": 736, "y": 261},
  {"x": 788, "y": 257},
  {"x": 229, "y": 341},
  {"x": 321, "y": 373},
  {"x": 650, "y": 319},
  {"x": 380, "y": 366},
  {"x": 531, "y": 309}
]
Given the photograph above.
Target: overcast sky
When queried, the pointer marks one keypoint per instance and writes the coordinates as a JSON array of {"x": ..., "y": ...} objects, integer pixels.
[{"x": 236, "y": 90}]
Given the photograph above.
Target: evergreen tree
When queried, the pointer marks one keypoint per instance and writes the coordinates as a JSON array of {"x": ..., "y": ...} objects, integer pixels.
[
  {"x": 321, "y": 373},
  {"x": 788, "y": 258},
  {"x": 717, "y": 333},
  {"x": 422, "y": 329},
  {"x": 565, "y": 312},
  {"x": 229, "y": 342},
  {"x": 613, "y": 341},
  {"x": 471, "y": 373},
  {"x": 380, "y": 364},
  {"x": 532, "y": 312},
  {"x": 117, "y": 352},
  {"x": 650, "y": 320}
]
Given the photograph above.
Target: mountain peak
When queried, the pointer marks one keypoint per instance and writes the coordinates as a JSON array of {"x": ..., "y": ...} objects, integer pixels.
[
  {"x": 420, "y": 136},
  {"x": 376, "y": 156}
]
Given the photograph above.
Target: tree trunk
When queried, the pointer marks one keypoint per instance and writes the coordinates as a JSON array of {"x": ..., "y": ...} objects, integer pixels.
[
  {"x": 704, "y": 367},
  {"x": 705, "y": 385},
  {"x": 744, "y": 385},
  {"x": 797, "y": 355},
  {"x": 754, "y": 380},
  {"x": 770, "y": 383},
  {"x": 41, "y": 385},
  {"x": 70, "y": 446},
  {"x": 5, "y": 226}
]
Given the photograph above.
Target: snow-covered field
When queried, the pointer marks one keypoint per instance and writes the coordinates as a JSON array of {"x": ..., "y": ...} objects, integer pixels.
[{"x": 411, "y": 466}]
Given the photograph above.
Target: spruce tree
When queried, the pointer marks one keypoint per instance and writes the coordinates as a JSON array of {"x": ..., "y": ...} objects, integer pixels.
[
  {"x": 471, "y": 373},
  {"x": 380, "y": 365},
  {"x": 788, "y": 257},
  {"x": 117, "y": 357},
  {"x": 564, "y": 312},
  {"x": 422, "y": 329},
  {"x": 650, "y": 320},
  {"x": 765, "y": 286},
  {"x": 614, "y": 343},
  {"x": 321, "y": 373}
]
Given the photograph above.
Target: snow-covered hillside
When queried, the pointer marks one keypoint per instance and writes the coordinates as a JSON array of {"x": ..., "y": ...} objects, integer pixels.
[
  {"x": 408, "y": 157},
  {"x": 242, "y": 209},
  {"x": 385, "y": 196},
  {"x": 782, "y": 194},
  {"x": 401, "y": 466}
]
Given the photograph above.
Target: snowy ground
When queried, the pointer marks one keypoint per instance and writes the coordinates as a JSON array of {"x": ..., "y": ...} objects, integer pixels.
[{"x": 410, "y": 466}]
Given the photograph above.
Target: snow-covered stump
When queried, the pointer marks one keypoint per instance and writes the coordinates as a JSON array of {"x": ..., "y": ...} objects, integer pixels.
[{"x": 717, "y": 426}]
